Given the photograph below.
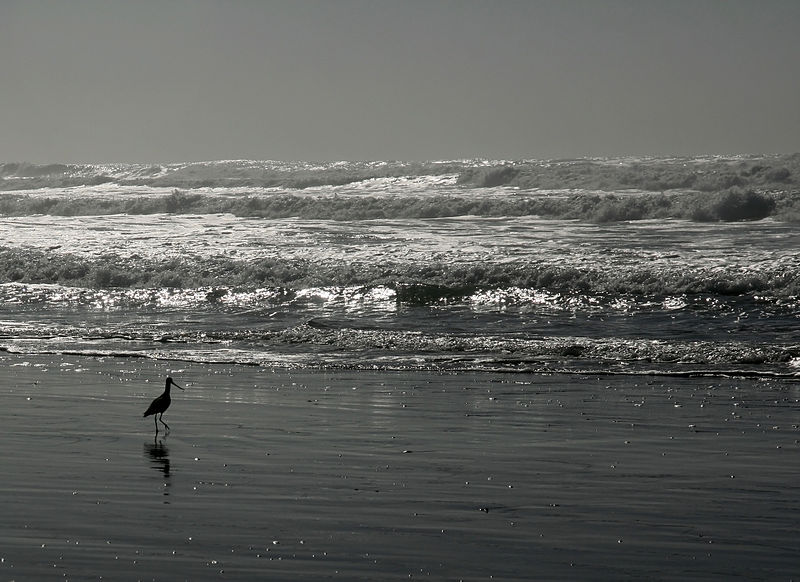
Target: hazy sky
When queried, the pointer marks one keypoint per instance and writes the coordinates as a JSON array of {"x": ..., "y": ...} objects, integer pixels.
[{"x": 181, "y": 80}]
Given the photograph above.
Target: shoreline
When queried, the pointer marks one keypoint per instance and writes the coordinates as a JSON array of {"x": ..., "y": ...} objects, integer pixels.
[{"x": 355, "y": 475}]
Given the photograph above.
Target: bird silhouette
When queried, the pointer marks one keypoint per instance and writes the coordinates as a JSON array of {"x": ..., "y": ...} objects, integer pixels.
[{"x": 159, "y": 405}]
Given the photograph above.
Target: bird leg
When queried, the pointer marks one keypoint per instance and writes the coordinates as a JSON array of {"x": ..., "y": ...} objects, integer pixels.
[
  {"x": 160, "y": 417},
  {"x": 155, "y": 422}
]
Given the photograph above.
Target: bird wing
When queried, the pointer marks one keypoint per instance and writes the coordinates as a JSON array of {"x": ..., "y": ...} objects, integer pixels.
[{"x": 156, "y": 406}]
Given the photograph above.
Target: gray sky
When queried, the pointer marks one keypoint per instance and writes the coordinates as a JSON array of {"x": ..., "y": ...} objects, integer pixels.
[{"x": 181, "y": 80}]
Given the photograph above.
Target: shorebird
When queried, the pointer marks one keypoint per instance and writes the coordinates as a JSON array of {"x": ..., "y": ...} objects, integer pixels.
[{"x": 159, "y": 405}]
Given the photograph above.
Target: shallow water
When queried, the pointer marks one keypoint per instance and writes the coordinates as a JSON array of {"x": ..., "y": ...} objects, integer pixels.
[{"x": 353, "y": 475}]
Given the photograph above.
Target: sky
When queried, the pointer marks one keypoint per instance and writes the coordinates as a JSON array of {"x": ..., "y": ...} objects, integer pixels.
[{"x": 189, "y": 80}]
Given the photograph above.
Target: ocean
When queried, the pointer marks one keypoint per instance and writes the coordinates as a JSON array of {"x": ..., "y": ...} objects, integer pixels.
[
  {"x": 668, "y": 266},
  {"x": 456, "y": 370}
]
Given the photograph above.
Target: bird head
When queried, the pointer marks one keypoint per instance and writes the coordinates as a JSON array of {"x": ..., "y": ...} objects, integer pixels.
[{"x": 171, "y": 382}]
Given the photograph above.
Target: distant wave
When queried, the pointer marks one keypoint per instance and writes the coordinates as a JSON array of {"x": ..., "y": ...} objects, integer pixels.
[
  {"x": 705, "y": 174},
  {"x": 708, "y": 174},
  {"x": 219, "y": 174},
  {"x": 716, "y": 189}
]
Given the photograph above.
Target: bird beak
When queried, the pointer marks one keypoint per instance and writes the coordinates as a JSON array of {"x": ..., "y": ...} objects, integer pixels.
[{"x": 176, "y": 386}]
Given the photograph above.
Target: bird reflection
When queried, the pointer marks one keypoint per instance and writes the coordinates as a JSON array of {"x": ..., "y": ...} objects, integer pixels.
[{"x": 159, "y": 456}]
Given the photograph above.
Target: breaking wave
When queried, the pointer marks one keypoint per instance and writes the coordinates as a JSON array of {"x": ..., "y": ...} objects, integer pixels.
[
  {"x": 730, "y": 205},
  {"x": 410, "y": 282}
]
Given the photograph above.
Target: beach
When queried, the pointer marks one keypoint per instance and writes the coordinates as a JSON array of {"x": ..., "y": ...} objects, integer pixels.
[
  {"x": 501, "y": 291},
  {"x": 285, "y": 474}
]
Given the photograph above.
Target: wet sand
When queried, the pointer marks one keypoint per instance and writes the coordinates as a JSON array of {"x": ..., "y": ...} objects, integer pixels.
[{"x": 303, "y": 475}]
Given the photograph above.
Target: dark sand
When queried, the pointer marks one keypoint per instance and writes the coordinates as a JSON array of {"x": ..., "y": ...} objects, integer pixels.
[{"x": 283, "y": 475}]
